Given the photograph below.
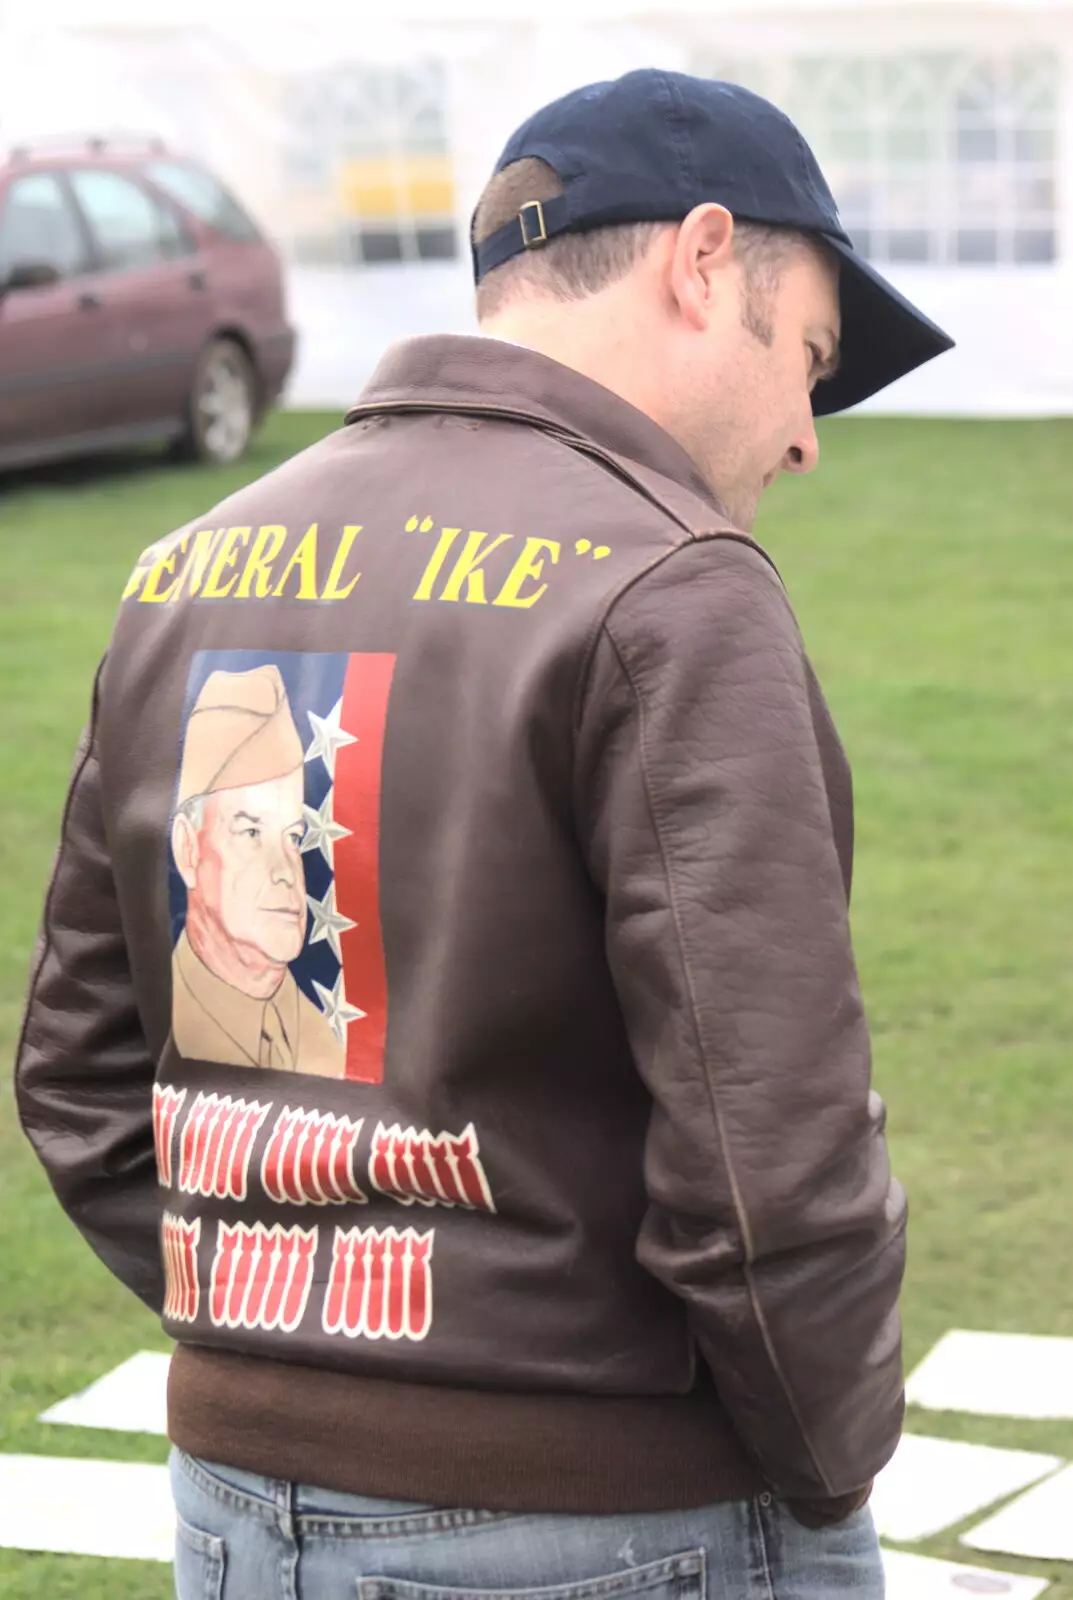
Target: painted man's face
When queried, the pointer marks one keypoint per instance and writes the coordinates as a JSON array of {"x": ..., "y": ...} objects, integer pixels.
[{"x": 247, "y": 871}]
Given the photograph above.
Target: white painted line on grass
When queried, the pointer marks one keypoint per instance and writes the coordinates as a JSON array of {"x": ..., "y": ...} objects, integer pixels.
[
  {"x": 933, "y": 1483},
  {"x": 1038, "y": 1526},
  {"x": 920, "y": 1578},
  {"x": 996, "y": 1375},
  {"x": 132, "y": 1398},
  {"x": 86, "y": 1508}
]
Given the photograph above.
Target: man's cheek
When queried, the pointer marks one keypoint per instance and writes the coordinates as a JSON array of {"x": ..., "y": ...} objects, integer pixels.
[{"x": 210, "y": 876}]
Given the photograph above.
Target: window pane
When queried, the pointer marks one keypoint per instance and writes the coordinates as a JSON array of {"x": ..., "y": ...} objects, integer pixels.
[
  {"x": 910, "y": 146},
  {"x": 909, "y": 244},
  {"x": 437, "y": 244},
  {"x": 904, "y": 85},
  {"x": 39, "y": 229},
  {"x": 1035, "y": 82},
  {"x": 975, "y": 245},
  {"x": 937, "y": 156},
  {"x": 1037, "y": 244},
  {"x": 383, "y": 245},
  {"x": 849, "y": 83},
  {"x": 907, "y": 200},
  {"x": 175, "y": 238},
  {"x": 1033, "y": 144},
  {"x": 978, "y": 91},
  {"x": 855, "y": 201},
  {"x": 977, "y": 144},
  {"x": 129, "y": 226},
  {"x": 205, "y": 197},
  {"x": 983, "y": 193},
  {"x": 849, "y": 141},
  {"x": 1035, "y": 194}
]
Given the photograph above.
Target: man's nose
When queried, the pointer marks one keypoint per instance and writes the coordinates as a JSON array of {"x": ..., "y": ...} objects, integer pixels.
[
  {"x": 804, "y": 454},
  {"x": 283, "y": 868}
]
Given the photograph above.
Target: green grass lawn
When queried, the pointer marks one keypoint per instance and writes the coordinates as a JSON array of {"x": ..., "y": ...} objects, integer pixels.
[{"x": 931, "y": 564}]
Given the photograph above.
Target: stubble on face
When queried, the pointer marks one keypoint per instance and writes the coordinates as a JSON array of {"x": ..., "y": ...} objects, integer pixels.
[{"x": 759, "y": 413}]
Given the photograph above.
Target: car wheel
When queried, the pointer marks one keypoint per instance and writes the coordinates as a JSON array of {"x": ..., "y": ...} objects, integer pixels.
[{"x": 222, "y": 409}]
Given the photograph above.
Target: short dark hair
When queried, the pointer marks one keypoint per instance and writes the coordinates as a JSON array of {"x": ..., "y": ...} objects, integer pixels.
[{"x": 574, "y": 265}]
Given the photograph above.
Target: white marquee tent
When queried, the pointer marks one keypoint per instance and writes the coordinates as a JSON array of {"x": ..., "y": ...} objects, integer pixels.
[{"x": 945, "y": 128}]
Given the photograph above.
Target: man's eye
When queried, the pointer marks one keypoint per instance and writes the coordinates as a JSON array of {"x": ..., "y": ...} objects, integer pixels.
[
  {"x": 296, "y": 836},
  {"x": 250, "y": 833}
]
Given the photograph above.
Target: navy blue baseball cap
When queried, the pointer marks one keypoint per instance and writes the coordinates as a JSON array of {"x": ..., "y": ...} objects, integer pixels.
[{"x": 650, "y": 146}]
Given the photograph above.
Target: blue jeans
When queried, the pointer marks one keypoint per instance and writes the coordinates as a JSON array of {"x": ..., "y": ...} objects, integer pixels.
[{"x": 244, "y": 1537}]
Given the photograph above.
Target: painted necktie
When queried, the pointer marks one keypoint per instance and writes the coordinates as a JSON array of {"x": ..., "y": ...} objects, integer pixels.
[{"x": 275, "y": 1050}]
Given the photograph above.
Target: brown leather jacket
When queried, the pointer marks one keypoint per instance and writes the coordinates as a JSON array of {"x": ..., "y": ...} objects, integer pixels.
[{"x": 445, "y": 1012}]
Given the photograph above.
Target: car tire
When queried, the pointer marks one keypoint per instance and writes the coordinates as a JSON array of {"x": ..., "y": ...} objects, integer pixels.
[{"x": 221, "y": 413}]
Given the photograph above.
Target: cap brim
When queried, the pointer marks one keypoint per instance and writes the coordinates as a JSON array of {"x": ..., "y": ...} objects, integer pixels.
[{"x": 884, "y": 336}]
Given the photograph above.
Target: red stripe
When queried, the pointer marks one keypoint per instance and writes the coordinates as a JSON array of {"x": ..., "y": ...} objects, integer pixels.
[{"x": 357, "y": 859}]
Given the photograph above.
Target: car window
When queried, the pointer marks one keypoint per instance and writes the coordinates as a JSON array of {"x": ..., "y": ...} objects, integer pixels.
[
  {"x": 131, "y": 228},
  {"x": 39, "y": 227},
  {"x": 204, "y": 196}
]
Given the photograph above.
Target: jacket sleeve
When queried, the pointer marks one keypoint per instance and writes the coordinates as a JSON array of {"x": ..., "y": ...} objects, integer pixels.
[
  {"x": 83, "y": 1072},
  {"x": 714, "y": 804}
]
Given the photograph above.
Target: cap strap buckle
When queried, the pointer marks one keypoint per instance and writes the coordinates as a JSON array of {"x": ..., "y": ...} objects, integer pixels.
[{"x": 530, "y": 237}]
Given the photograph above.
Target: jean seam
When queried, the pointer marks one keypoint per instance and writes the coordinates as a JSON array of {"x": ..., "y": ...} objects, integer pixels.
[
  {"x": 264, "y": 1510},
  {"x": 756, "y": 1512},
  {"x": 209, "y": 1545},
  {"x": 691, "y": 1564},
  {"x": 401, "y": 1527}
]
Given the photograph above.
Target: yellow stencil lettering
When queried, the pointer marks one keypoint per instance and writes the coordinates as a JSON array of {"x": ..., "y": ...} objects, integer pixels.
[
  {"x": 152, "y": 591},
  {"x": 436, "y": 560},
  {"x": 226, "y": 557},
  {"x": 134, "y": 583},
  {"x": 201, "y": 553},
  {"x": 332, "y": 590},
  {"x": 467, "y": 569},
  {"x": 257, "y": 576},
  {"x": 305, "y": 559},
  {"x": 527, "y": 567}
]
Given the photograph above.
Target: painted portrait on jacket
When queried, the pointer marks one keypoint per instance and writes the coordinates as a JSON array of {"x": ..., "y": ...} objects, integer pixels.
[{"x": 263, "y": 859}]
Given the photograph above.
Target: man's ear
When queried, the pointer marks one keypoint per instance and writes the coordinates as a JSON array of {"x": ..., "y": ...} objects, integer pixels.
[
  {"x": 184, "y": 847},
  {"x": 703, "y": 249}
]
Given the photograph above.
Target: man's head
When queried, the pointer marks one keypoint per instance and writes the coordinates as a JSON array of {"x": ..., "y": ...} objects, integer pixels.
[
  {"x": 674, "y": 239},
  {"x": 239, "y": 853},
  {"x": 718, "y": 329},
  {"x": 238, "y": 829}
]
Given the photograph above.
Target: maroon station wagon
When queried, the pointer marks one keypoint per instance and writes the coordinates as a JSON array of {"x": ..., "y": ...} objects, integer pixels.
[{"x": 138, "y": 301}]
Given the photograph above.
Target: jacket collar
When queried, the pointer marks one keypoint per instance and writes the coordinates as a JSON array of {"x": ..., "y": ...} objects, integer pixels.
[{"x": 459, "y": 372}]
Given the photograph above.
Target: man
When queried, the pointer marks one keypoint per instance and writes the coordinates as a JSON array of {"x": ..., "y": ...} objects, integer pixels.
[
  {"x": 585, "y": 1279},
  {"x": 237, "y": 842}
]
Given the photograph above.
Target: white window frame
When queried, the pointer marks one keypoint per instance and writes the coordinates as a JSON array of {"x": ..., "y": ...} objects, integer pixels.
[{"x": 810, "y": 88}]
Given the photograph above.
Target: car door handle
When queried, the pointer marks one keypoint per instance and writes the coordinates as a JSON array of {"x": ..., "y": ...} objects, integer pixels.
[
  {"x": 89, "y": 301},
  {"x": 197, "y": 280}
]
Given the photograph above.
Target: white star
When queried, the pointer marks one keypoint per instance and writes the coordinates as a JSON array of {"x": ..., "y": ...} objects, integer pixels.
[
  {"x": 328, "y": 923},
  {"x": 337, "y": 1012},
  {"x": 328, "y": 736},
  {"x": 322, "y": 830}
]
